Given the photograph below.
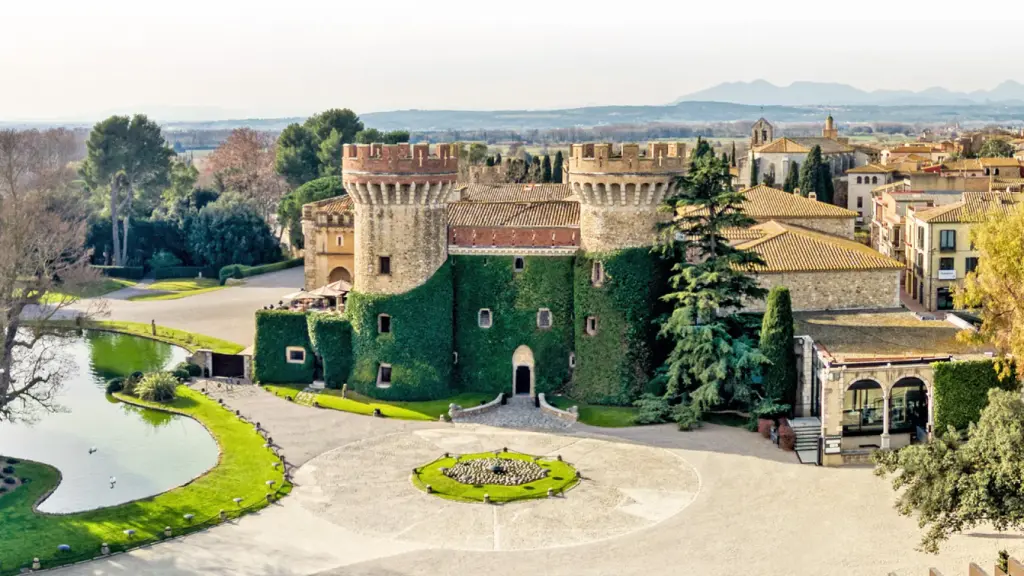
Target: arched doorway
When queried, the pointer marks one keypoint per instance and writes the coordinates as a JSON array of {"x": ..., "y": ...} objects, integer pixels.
[
  {"x": 908, "y": 406},
  {"x": 339, "y": 273},
  {"x": 523, "y": 377},
  {"x": 863, "y": 408}
]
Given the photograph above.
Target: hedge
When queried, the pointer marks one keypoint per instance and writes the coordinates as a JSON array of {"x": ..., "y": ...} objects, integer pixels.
[
  {"x": 961, "y": 391},
  {"x": 275, "y": 331},
  {"x": 184, "y": 272},
  {"x": 485, "y": 354},
  {"x": 240, "y": 271},
  {"x": 125, "y": 272},
  {"x": 331, "y": 337},
  {"x": 615, "y": 365},
  {"x": 419, "y": 347}
]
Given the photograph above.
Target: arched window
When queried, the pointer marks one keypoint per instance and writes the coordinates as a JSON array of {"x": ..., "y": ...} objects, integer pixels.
[
  {"x": 863, "y": 408},
  {"x": 859, "y": 180},
  {"x": 874, "y": 179},
  {"x": 908, "y": 406}
]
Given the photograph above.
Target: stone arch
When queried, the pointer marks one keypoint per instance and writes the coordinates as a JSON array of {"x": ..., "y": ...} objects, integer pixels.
[
  {"x": 909, "y": 405},
  {"x": 524, "y": 375},
  {"x": 339, "y": 273},
  {"x": 864, "y": 402}
]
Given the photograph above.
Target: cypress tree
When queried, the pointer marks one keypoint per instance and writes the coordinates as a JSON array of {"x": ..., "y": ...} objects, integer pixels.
[
  {"x": 725, "y": 158},
  {"x": 810, "y": 174},
  {"x": 732, "y": 157},
  {"x": 490, "y": 160},
  {"x": 777, "y": 347},
  {"x": 545, "y": 169},
  {"x": 753, "y": 170},
  {"x": 557, "y": 168},
  {"x": 497, "y": 159},
  {"x": 792, "y": 179},
  {"x": 700, "y": 150}
]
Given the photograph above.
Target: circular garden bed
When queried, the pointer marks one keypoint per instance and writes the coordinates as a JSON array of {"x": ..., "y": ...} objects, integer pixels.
[{"x": 499, "y": 476}]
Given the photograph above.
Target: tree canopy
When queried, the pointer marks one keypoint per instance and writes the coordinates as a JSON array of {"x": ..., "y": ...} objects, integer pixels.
[
  {"x": 312, "y": 149},
  {"x": 557, "y": 167},
  {"x": 374, "y": 136},
  {"x": 996, "y": 148},
  {"x": 289, "y": 213},
  {"x": 231, "y": 231}
]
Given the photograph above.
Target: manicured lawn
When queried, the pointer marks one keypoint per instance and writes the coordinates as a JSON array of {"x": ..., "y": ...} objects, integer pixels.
[
  {"x": 99, "y": 288},
  {"x": 174, "y": 295},
  {"x": 242, "y": 471},
  {"x": 595, "y": 414},
  {"x": 561, "y": 477},
  {"x": 187, "y": 340},
  {"x": 178, "y": 288},
  {"x": 357, "y": 404}
]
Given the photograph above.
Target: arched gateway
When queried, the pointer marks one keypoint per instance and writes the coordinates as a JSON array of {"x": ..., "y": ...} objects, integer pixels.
[{"x": 524, "y": 378}]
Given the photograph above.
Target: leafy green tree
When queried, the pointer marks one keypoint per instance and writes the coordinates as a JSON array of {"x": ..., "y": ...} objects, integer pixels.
[
  {"x": 710, "y": 280},
  {"x": 370, "y": 136},
  {"x": 396, "y": 136},
  {"x": 996, "y": 148},
  {"x": 558, "y": 167},
  {"x": 127, "y": 159},
  {"x": 545, "y": 169},
  {"x": 297, "y": 157},
  {"x": 497, "y": 159},
  {"x": 792, "y": 179},
  {"x": 289, "y": 213},
  {"x": 313, "y": 149},
  {"x": 329, "y": 155},
  {"x": 953, "y": 485},
  {"x": 183, "y": 178},
  {"x": 725, "y": 158},
  {"x": 490, "y": 161},
  {"x": 777, "y": 347},
  {"x": 344, "y": 121},
  {"x": 231, "y": 231}
]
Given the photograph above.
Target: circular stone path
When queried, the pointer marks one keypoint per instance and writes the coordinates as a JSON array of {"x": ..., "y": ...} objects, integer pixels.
[{"x": 366, "y": 487}]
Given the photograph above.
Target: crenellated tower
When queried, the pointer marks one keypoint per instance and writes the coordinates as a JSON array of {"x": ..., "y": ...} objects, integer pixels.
[
  {"x": 400, "y": 192},
  {"x": 620, "y": 193}
]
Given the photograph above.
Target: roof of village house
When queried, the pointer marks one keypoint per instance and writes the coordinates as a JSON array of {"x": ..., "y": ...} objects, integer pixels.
[
  {"x": 999, "y": 162},
  {"x": 909, "y": 149},
  {"x": 334, "y": 205},
  {"x": 789, "y": 248},
  {"x": 515, "y": 192},
  {"x": 559, "y": 214},
  {"x": 973, "y": 208},
  {"x": 781, "y": 146},
  {"x": 871, "y": 169},
  {"x": 828, "y": 145},
  {"x": 766, "y": 203},
  {"x": 961, "y": 165}
]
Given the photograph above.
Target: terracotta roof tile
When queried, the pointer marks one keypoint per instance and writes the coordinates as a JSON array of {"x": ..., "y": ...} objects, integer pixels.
[
  {"x": 788, "y": 248},
  {"x": 999, "y": 162},
  {"x": 515, "y": 214},
  {"x": 828, "y": 145},
  {"x": 973, "y": 208},
  {"x": 515, "y": 192},
  {"x": 335, "y": 205},
  {"x": 871, "y": 169},
  {"x": 781, "y": 145}
]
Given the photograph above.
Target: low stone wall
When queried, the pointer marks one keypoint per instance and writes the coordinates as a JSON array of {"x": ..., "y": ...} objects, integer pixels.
[
  {"x": 571, "y": 415},
  {"x": 455, "y": 411}
]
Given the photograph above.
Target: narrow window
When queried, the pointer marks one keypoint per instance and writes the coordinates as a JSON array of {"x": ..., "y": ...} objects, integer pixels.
[
  {"x": 455, "y": 357},
  {"x": 874, "y": 179},
  {"x": 592, "y": 325},
  {"x": 947, "y": 240},
  {"x": 339, "y": 240},
  {"x": 520, "y": 264},
  {"x": 971, "y": 264},
  {"x": 859, "y": 179},
  {"x": 597, "y": 273},
  {"x": 483, "y": 318},
  {"x": 544, "y": 318},
  {"x": 946, "y": 264},
  {"x": 572, "y": 359},
  {"x": 384, "y": 376},
  {"x": 860, "y": 201},
  {"x": 384, "y": 324},
  {"x": 385, "y": 265},
  {"x": 296, "y": 355}
]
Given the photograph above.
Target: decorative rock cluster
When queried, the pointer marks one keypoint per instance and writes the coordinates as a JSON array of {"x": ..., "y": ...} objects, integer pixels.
[{"x": 499, "y": 471}]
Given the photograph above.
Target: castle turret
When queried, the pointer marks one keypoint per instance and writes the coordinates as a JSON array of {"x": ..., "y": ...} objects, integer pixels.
[
  {"x": 830, "y": 131},
  {"x": 400, "y": 192},
  {"x": 620, "y": 193}
]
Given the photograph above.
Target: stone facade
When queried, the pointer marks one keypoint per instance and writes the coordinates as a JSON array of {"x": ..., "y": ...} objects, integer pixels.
[
  {"x": 330, "y": 246},
  {"x": 838, "y": 290}
]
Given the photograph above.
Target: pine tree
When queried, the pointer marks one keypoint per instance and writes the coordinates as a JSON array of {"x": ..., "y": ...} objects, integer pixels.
[
  {"x": 701, "y": 149},
  {"x": 545, "y": 169},
  {"x": 810, "y": 174},
  {"x": 777, "y": 347},
  {"x": 709, "y": 282},
  {"x": 828, "y": 190},
  {"x": 557, "y": 168}
]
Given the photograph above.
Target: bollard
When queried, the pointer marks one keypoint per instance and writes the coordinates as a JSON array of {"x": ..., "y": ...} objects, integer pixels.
[
  {"x": 223, "y": 515},
  {"x": 189, "y": 517},
  {"x": 430, "y": 489},
  {"x": 167, "y": 532},
  {"x": 559, "y": 457},
  {"x": 270, "y": 498},
  {"x": 105, "y": 549},
  {"x": 487, "y": 498},
  {"x": 551, "y": 493},
  {"x": 35, "y": 564}
]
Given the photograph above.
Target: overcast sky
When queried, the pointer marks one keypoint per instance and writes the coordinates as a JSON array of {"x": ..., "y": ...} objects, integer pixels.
[{"x": 81, "y": 60}]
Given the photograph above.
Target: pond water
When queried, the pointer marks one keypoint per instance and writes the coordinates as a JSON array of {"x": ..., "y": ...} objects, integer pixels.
[{"x": 147, "y": 451}]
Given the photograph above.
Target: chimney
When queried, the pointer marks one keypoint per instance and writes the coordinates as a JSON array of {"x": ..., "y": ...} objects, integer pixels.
[
  {"x": 813, "y": 195},
  {"x": 796, "y": 191}
]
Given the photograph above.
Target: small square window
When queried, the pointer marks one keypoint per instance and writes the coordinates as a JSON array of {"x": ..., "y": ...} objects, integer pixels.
[
  {"x": 296, "y": 355},
  {"x": 572, "y": 359},
  {"x": 597, "y": 273},
  {"x": 385, "y": 266},
  {"x": 520, "y": 264},
  {"x": 384, "y": 376},
  {"x": 946, "y": 264},
  {"x": 339, "y": 240},
  {"x": 483, "y": 318},
  {"x": 544, "y": 318},
  {"x": 384, "y": 324},
  {"x": 592, "y": 325}
]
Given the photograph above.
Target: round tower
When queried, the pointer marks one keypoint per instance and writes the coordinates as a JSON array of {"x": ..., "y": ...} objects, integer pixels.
[
  {"x": 619, "y": 194},
  {"x": 400, "y": 192}
]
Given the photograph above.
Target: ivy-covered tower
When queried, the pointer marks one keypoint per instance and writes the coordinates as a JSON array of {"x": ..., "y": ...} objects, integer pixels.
[
  {"x": 617, "y": 277},
  {"x": 400, "y": 308}
]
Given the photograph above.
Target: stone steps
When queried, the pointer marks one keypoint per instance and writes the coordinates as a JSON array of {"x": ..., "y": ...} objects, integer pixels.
[{"x": 807, "y": 431}]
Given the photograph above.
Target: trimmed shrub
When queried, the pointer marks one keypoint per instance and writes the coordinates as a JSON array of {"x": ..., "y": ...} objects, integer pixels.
[
  {"x": 331, "y": 338},
  {"x": 652, "y": 409},
  {"x": 123, "y": 272},
  {"x": 157, "y": 387},
  {"x": 276, "y": 330},
  {"x": 961, "y": 391},
  {"x": 9, "y": 480},
  {"x": 184, "y": 272},
  {"x": 131, "y": 382},
  {"x": 686, "y": 416},
  {"x": 8, "y": 469},
  {"x": 238, "y": 271},
  {"x": 163, "y": 259},
  {"x": 115, "y": 385},
  {"x": 193, "y": 370},
  {"x": 181, "y": 374}
]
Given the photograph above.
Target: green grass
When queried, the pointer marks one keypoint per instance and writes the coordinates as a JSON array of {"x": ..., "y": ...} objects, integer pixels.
[
  {"x": 92, "y": 290},
  {"x": 242, "y": 470},
  {"x": 188, "y": 340},
  {"x": 357, "y": 404},
  {"x": 596, "y": 414},
  {"x": 178, "y": 288},
  {"x": 561, "y": 478},
  {"x": 174, "y": 295}
]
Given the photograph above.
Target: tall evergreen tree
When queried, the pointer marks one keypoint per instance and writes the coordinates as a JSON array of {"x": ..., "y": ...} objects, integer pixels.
[
  {"x": 709, "y": 282},
  {"x": 545, "y": 169},
  {"x": 558, "y": 167},
  {"x": 777, "y": 346},
  {"x": 725, "y": 158},
  {"x": 768, "y": 179},
  {"x": 792, "y": 179},
  {"x": 497, "y": 159},
  {"x": 810, "y": 174},
  {"x": 701, "y": 149},
  {"x": 753, "y": 170},
  {"x": 732, "y": 157}
]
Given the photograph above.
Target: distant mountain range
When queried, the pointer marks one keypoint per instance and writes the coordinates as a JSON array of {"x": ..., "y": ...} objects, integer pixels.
[{"x": 764, "y": 93}]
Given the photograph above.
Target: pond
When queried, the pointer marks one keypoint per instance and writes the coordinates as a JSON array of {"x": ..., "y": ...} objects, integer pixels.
[{"x": 146, "y": 451}]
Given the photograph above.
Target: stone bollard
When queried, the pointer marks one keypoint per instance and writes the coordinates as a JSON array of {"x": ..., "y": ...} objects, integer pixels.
[
  {"x": 35, "y": 564},
  {"x": 440, "y": 418},
  {"x": 167, "y": 532},
  {"x": 189, "y": 517},
  {"x": 487, "y": 498},
  {"x": 223, "y": 515},
  {"x": 551, "y": 493},
  {"x": 559, "y": 457},
  {"x": 344, "y": 390},
  {"x": 105, "y": 549},
  {"x": 430, "y": 489},
  {"x": 270, "y": 498}
]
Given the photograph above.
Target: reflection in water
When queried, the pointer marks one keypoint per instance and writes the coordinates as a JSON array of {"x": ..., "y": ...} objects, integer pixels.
[{"x": 146, "y": 450}]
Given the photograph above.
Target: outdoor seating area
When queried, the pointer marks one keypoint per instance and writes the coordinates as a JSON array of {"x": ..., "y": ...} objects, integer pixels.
[{"x": 329, "y": 298}]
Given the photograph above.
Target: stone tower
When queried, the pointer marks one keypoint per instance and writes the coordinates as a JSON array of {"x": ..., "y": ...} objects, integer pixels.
[
  {"x": 620, "y": 193},
  {"x": 830, "y": 131},
  {"x": 400, "y": 192},
  {"x": 761, "y": 133}
]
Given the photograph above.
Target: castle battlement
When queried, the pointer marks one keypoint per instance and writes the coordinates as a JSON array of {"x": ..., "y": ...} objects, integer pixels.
[
  {"x": 377, "y": 160},
  {"x": 603, "y": 158}
]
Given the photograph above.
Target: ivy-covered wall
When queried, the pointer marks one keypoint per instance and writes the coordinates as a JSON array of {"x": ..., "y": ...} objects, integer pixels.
[
  {"x": 331, "y": 337},
  {"x": 276, "y": 330},
  {"x": 419, "y": 347},
  {"x": 485, "y": 354},
  {"x": 614, "y": 365},
  {"x": 961, "y": 391}
]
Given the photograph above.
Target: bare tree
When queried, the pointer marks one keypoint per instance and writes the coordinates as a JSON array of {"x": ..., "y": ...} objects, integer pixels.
[
  {"x": 245, "y": 164},
  {"x": 18, "y": 160}
]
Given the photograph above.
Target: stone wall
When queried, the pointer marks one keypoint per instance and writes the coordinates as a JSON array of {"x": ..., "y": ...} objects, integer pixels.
[
  {"x": 842, "y": 227},
  {"x": 610, "y": 228},
  {"x": 412, "y": 236},
  {"x": 849, "y": 290}
]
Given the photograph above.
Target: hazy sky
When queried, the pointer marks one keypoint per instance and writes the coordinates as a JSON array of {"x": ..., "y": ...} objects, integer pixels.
[{"x": 63, "y": 59}]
